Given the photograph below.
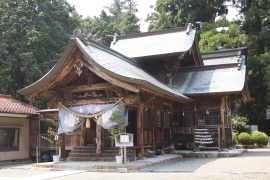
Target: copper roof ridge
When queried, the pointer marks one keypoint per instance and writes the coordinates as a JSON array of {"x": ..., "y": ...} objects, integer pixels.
[
  {"x": 224, "y": 50},
  {"x": 6, "y": 96},
  {"x": 151, "y": 33}
]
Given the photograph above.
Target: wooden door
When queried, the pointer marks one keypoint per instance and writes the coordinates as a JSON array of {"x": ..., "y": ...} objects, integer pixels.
[{"x": 91, "y": 133}]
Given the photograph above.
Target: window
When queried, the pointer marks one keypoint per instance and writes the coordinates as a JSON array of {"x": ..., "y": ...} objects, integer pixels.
[
  {"x": 166, "y": 122},
  {"x": 9, "y": 139},
  {"x": 146, "y": 118},
  {"x": 158, "y": 120}
]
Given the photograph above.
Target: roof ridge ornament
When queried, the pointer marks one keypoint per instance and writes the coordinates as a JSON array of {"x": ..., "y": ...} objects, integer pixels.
[
  {"x": 115, "y": 38},
  {"x": 189, "y": 27},
  {"x": 78, "y": 33}
]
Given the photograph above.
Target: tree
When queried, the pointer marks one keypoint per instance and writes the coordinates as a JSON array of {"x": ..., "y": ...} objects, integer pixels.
[
  {"x": 221, "y": 34},
  {"x": 178, "y": 13},
  {"x": 121, "y": 19},
  {"x": 256, "y": 25},
  {"x": 33, "y": 35},
  {"x": 52, "y": 132},
  {"x": 117, "y": 119}
]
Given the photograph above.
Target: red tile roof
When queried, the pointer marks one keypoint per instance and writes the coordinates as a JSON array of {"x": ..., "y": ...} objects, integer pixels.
[{"x": 10, "y": 105}]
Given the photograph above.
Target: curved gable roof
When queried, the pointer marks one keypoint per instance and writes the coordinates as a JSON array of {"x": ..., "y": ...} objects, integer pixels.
[
  {"x": 113, "y": 63},
  {"x": 119, "y": 66}
]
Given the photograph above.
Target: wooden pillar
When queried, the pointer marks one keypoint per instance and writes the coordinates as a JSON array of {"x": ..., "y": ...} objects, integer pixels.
[
  {"x": 152, "y": 119},
  {"x": 195, "y": 123},
  {"x": 140, "y": 128},
  {"x": 62, "y": 145},
  {"x": 222, "y": 108},
  {"x": 171, "y": 123},
  {"x": 98, "y": 131},
  {"x": 83, "y": 134},
  {"x": 163, "y": 129}
]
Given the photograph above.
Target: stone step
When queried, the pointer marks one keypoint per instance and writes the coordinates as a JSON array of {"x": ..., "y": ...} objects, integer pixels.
[
  {"x": 109, "y": 159},
  {"x": 74, "y": 154}
]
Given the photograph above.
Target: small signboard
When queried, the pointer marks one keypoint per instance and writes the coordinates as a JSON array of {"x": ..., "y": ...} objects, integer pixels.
[{"x": 124, "y": 139}]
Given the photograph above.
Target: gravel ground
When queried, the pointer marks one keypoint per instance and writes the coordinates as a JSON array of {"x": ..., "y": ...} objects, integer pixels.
[
  {"x": 18, "y": 171},
  {"x": 253, "y": 164},
  {"x": 255, "y": 160}
]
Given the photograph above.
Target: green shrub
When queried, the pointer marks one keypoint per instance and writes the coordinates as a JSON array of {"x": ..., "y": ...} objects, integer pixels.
[
  {"x": 259, "y": 137},
  {"x": 244, "y": 138},
  {"x": 234, "y": 137}
]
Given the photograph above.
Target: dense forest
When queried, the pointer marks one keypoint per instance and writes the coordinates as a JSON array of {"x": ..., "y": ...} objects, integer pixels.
[{"x": 34, "y": 33}]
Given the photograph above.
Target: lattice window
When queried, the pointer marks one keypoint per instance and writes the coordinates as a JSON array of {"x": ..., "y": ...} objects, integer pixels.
[
  {"x": 183, "y": 118},
  {"x": 158, "y": 119},
  {"x": 166, "y": 119},
  {"x": 146, "y": 118},
  {"x": 209, "y": 117}
]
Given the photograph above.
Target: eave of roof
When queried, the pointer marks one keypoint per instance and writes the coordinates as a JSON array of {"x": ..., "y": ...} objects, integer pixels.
[{"x": 47, "y": 77}]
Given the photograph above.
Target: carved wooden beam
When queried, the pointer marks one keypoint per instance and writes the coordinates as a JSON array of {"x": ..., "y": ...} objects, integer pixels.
[
  {"x": 128, "y": 100},
  {"x": 84, "y": 88},
  {"x": 147, "y": 98}
]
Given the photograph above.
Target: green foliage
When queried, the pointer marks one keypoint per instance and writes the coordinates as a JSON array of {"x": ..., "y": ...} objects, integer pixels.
[
  {"x": 33, "y": 35},
  {"x": 235, "y": 138},
  {"x": 244, "y": 138},
  {"x": 178, "y": 13},
  {"x": 118, "y": 120},
  {"x": 239, "y": 124},
  {"x": 259, "y": 137},
  {"x": 121, "y": 19},
  {"x": 52, "y": 131},
  {"x": 229, "y": 35},
  {"x": 256, "y": 25}
]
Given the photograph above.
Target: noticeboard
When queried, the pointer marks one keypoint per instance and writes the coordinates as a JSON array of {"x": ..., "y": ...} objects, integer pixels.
[{"x": 124, "y": 139}]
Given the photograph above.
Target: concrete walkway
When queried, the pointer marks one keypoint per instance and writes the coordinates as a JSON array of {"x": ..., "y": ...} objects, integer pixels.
[{"x": 135, "y": 165}]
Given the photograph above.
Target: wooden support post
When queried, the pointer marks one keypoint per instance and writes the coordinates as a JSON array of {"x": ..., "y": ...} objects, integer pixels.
[
  {"x": 140, "y": 128},
  {"x": 163, "y": 129},
  {"x": 62, "y": 145},
  {"x": 222, "y": 108},
  {"x": 171, "y": 123},
  {"x": 152, "y": 119},
  {"x": 83, "y": 134},
  {"x": 98, "y": 131}
]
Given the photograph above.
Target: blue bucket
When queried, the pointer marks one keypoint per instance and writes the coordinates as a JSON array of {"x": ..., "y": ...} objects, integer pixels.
[{"x": 45, "y": 157}]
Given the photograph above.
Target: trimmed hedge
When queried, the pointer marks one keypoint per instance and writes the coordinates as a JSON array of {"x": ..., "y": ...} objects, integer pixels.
[
  {"x": 244, "y": 138},
  {"x": 259, "y": 137}
]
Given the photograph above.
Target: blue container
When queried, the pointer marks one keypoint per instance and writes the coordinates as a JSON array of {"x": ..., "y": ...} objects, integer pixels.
[{"x": 45, "y": 157}]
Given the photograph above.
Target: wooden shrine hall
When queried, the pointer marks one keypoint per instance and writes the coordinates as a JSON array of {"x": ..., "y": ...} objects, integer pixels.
[{"x": 176, "y": 96}]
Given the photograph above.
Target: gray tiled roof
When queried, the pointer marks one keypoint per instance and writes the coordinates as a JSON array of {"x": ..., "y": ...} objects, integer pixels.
[
  {"x": 151, "y": 44},
  {"x": 210, "y": 81},
  {"x": 119, "y": 66}
]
